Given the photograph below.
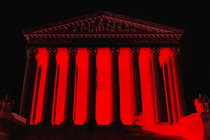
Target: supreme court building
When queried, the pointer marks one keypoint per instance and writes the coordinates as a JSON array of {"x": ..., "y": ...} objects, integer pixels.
[{"x": 102, "y": 68}]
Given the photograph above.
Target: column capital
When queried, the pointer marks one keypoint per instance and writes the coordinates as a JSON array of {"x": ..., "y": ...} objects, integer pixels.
[
  {"x": 52, "y": 51},
  {"x": 92, "y": 50},
  {"x": 30, "y": 51},
  {"x": 155, "y": 50},
  {"x": 163, "y": 64},
  {"x": 115, "y": 50},
  {"x": 176, "y": 50},
  {"x": 72, "y": 50},
  {"x": 135, "y": 50}
]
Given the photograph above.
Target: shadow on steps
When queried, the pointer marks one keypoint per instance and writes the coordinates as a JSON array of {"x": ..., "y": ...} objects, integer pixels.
[{"x": 81, "y": 132}]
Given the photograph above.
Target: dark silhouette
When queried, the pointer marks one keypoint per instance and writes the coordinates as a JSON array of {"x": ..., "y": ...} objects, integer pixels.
[{"x": 6, "y": 104}]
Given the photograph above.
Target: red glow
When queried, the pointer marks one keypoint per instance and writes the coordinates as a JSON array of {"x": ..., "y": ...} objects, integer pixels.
[
  {"x": 33, "y": 101},
  {"x": 103, "y": 82},
  {"x": 103, "y": 91},
  {"x": 81, "y": 97},
  {"x": 164, "y": 55},
  {"x": 125, "y": 86},
  {"x": 42, "y": 58},
  {"x": 62, "y": 60},
  {"x": 146, "y": 86},
  {"x": 54, "y": 109},
  {"x": 190, "y": 127}
]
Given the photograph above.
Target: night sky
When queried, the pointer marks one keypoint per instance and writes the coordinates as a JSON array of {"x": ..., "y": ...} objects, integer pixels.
[{"x": 193, "y": 17}]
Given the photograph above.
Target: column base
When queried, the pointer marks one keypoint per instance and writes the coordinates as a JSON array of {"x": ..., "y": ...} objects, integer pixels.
[
  {"x": 116, "y": 125},
  {"x": 45, "y": 123},
  {"x": 67, "y": 124},
  {"x": 90, "y": 123}
]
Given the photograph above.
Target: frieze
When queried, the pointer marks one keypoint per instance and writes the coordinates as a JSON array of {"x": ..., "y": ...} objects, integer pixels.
[
  {"x": 49, "y": 40},
  {"x": 102, "y": 41},
  {"x": 102, "y": 38},
  {"x": 156, "y": 40}
]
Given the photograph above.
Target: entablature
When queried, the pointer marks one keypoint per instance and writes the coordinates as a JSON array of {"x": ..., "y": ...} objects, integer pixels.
[
  {"x": 103, "y": 28},
  {"x": 102, "y": 38}
]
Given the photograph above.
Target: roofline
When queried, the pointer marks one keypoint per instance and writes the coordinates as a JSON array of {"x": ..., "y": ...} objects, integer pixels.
[{"x": 106, "y": 14}]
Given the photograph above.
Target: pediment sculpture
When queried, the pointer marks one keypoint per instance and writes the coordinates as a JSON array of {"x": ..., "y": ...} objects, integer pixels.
[{"x": 101, "y": 24}]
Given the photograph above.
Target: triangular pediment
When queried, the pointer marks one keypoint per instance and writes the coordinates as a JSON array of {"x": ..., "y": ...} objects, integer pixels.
[{"x": 103, "y": 23}]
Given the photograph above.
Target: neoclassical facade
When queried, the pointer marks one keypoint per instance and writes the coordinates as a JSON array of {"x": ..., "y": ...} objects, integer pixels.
[{"x": 102, "y": 68}]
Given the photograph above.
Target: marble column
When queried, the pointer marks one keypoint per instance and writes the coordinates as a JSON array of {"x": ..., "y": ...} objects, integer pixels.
[
  {"x": 49, "y": 87},
  {"x": 28, "y": 84},
  {"x": 172, "y": 91},
  {"x": 56, "y": 92},
  {"x": 115, "y": 87},
  {"x": 91, "y": 98},
  {"x": 180, "y": 97},
  {"x": 153, "y": 111},
  {"x": 69, "y": 100},
  {"x": 36, "y": 93},
  {"x": 136, "y": 87},
  {"x": 167, "y": 93},
  {"x": 158, "y": 95}
]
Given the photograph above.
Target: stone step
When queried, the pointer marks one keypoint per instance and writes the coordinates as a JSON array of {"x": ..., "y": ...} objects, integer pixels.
[{"x": 80, "y": 132}]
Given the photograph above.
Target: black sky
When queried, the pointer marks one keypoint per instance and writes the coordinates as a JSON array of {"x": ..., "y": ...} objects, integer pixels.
[{"x": 191, "y": 16}]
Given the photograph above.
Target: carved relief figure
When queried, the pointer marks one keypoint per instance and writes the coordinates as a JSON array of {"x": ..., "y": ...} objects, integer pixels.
[
  {"x": 111, "y": 26},
  {"x": 93, "y": 26},
  {"x": 101, "y": 25}
]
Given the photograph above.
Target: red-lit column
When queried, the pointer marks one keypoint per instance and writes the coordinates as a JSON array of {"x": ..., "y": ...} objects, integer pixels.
[
  {"x": 49, "y": 87},
  {"x": 158, "y": 97},
  {"x": 69, "y": 100},
  {"x": 26, "y": 99},
  {"x": 115, "y": 87},
  {"x": 36, "y": 93},
  {"x": 180, "y": 97},
  {"x": 167, "y": 93},
  {"x": 136, "y": 87},
  {"x": 91, "y": 98},
  {"x": 153, "y": 112},
  {"x": 172, "y": 91}
]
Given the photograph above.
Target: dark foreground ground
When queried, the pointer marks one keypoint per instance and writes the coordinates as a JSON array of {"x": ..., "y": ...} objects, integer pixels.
[{"x": 80, "y": 132}]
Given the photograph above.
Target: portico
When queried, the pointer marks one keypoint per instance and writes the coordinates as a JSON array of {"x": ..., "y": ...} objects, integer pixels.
[{"x": 102, "y": 68}]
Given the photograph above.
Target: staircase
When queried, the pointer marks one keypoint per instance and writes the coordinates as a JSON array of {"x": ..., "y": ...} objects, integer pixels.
[{"x": 81, "y": 132}]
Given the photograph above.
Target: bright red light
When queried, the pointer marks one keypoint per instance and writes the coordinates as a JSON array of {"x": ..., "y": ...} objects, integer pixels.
[
  {"x": 34, "y": 94},
  {"x": 148, "y": 106},
  {"x": 125, "y": 86},
  {"x": 62, "y": 61},
  {"x": 81, "y": 95},
  {"x": 103, "y": 91},
  {"x": 42, "y": 58},
  {"x": 164, "y": 55},
  {"x": 103, "y": 83}
]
